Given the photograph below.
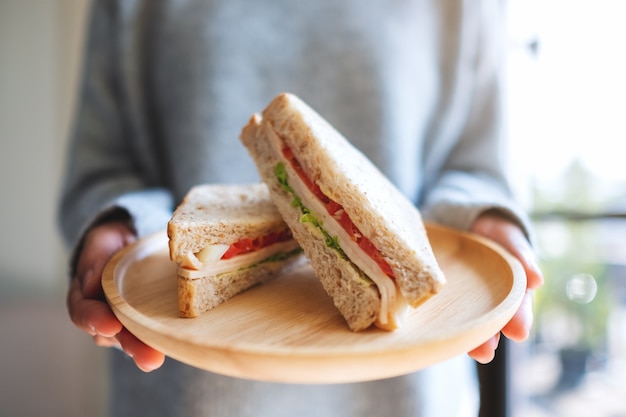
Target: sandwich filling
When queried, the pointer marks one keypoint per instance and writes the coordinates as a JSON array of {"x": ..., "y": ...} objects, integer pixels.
[
  {"x": 341, "y": 234},
  {"x": 245, "y": 253}
]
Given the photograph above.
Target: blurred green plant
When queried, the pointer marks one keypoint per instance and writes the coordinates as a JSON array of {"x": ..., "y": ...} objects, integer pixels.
[{"x": 576, "y": 294}]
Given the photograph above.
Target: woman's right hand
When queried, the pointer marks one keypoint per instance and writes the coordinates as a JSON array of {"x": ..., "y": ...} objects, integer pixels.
[{"x": 86, "y": 304}]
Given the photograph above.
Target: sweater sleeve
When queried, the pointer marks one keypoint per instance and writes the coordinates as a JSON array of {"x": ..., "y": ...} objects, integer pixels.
[
  {"x": 472, "y": 176},
  {"x": 103, "y": 172}
]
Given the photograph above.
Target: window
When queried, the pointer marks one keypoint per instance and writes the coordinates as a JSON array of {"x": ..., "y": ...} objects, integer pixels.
[{"x": 567, "y": 104}]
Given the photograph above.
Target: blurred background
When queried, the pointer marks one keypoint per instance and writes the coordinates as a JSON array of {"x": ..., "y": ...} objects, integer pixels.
[
  {"x": 566, "y": 101},
  {"x": 567, "y": 97},
  {"x": 47, "y": 368}
]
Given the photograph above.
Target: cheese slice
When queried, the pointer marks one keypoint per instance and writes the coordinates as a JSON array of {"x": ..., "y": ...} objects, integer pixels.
[
  {"x": 393, "y": 305},
  {"x": 194, "y": 268},
  {"x": 208, "y": 255}
]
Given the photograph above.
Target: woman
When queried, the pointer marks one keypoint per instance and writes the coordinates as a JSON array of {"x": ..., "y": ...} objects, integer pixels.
[{"x": 169, "y": 84}]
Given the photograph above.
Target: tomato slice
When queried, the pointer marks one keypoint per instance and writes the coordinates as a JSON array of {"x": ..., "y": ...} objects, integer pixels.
[
  {"x": 336, "y": 210},
  {"x": 247, "y": 245}
]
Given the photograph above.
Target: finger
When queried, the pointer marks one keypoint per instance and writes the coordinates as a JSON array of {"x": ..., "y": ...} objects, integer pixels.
[
  {"x": 92, "y": 316},
  {"x": 487, "y": 351},
  {"x": 146, "y": 358},
  {"x": 534, "y": 276},
  {"x": 104, "y": 341},
  {"x": 90, "y": 282},
  {"x": 511, "y": 238},
  {"x": 519, "y": 246},
  {"x": 89, "y": 267},
  {"x": 518, "y": 328},
  {"x": 521, "y": 249},
  {"x": 100, "y": 244},
  {"x": 96, "y": 318}
]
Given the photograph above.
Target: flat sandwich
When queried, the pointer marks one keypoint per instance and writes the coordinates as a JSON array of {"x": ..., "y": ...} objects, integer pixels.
[
  {"x": 225, "y": 239},
  {"x": 366, "y": 241}
]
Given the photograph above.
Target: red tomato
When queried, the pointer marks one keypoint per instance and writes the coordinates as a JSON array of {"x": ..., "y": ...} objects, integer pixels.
[
  {"x": 246, "y": 245},
  {"x": 366, "y": 245},
  {"x": 241, "y": 246},
  {"x": 336, "y": 210}
]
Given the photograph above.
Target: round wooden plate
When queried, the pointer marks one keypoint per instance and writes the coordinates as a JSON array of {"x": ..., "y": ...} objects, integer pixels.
[{"x": 288, "y": 330}]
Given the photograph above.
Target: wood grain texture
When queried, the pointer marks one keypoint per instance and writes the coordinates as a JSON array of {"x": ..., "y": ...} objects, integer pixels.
[{"x": 288, "y": 329}]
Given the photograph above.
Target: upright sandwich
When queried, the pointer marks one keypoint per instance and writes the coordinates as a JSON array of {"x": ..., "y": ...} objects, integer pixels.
[
  {"x": 226, "y": 239},
  {"x": 366, "y": 241}
]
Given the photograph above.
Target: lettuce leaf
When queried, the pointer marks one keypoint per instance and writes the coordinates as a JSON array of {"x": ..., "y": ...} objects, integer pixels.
[{"x": 307, "y": 217}]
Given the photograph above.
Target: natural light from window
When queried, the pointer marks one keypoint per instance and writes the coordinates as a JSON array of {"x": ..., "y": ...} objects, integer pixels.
[
  {"x": 568, "y": 100},
  {"x": 567, "y": 123}
]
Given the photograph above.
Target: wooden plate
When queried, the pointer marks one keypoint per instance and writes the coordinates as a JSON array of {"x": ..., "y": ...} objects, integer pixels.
[{"x": 288, "y": 330}]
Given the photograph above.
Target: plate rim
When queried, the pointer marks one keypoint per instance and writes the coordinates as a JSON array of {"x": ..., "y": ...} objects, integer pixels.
[{"x": 501, "y": 313}]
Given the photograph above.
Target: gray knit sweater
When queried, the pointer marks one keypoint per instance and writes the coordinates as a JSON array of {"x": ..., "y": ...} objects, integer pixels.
[{"x": 169, "y": 84}]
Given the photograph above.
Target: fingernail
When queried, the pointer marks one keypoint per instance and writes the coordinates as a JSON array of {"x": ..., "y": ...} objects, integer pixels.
[{"x": 143, "y": 368}]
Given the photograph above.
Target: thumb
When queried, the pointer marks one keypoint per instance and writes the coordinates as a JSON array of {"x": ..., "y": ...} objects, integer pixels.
[{"x": 99, "y": 245}]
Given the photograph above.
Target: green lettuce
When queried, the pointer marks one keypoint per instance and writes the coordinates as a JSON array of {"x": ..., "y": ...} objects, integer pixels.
[
  {"x": 277, "y": 257},
  {"x": 307, "y": 217}
]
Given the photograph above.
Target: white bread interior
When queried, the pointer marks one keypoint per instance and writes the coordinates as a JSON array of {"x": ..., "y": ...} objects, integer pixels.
[{"x": 380, "y": 211}]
